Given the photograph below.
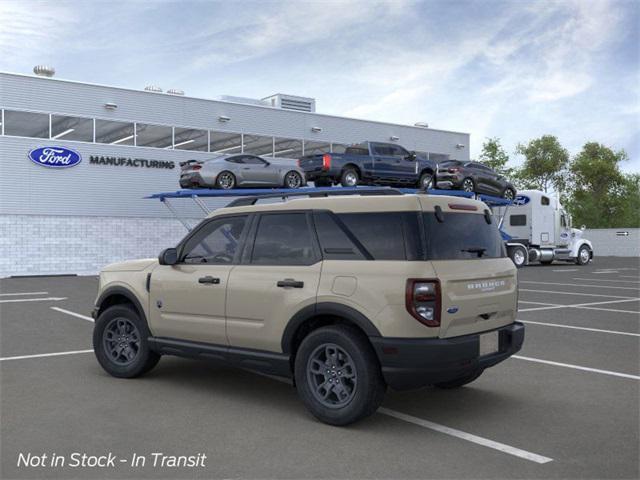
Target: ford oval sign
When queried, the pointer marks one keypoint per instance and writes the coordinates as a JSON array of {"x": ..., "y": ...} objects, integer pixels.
[
  {"x": 55, "y": 157},
  {"x": 521, "y": 200}
]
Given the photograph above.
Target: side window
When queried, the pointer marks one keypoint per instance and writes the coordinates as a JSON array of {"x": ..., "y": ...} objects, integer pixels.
[
  {"x": 237, "y": 159},
  {"x": 334, "y": 241},
  {"x": 251, "y": 160},
  {"x": 398, "y": 151},
  {"x": 544, "y": 201},
  {"x": 563, "y": 220},
  {"x": 216, "y": 243},
  {"x": 283, "y": 239},
  {"x": 380, "y": 149},
  {"x": 381, "y": 234},
  {"x": 517, "y": 220}
]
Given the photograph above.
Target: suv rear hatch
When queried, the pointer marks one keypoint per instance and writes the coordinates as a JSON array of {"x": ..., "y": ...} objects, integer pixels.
[{"x": 478, "y": 283}]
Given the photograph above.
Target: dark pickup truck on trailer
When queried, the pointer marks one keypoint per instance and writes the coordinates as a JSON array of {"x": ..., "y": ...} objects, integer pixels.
[{"x": 370, "y": 163}]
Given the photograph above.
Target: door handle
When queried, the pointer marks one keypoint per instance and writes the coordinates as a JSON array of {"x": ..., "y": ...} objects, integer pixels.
[
  {"x": 290, "y": 282},
  {"x": 209, "y": 280}
]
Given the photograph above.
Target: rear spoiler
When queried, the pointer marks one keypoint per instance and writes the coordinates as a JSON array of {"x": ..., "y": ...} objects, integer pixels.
[{"x": 188, "y": 162}]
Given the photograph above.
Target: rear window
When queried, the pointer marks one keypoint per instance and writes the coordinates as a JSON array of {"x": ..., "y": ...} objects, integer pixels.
[
  {"x": 356, "y": 151},
  {"x": 462, "y": 236}
]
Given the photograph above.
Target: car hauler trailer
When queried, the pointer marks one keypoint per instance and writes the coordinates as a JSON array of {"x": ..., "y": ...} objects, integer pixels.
[{"x": 538, "y": 229}]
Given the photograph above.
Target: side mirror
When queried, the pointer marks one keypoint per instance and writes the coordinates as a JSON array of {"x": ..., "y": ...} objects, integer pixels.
[
  {"x": 412, "y": 156},
  {"x": 583, "y": 228},
  {"x": 169, "y": 256}
]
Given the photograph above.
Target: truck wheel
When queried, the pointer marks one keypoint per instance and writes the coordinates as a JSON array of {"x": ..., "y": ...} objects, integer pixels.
[
  {"x": 426, "y": 181},
  {"x": 338, "y": 376},
  {"x": 468, "y": 185},
  {"x": 509, "y": 194},
  {"x": 120, "y": 343},
  {"x": 546, "y": 262},
  {"x": 518, "y": 256},
  {"x": 584, "y": 255},
  {"x": 349, "y": 178},
  {"x": 226, "y": 180},
  {"x": 460, "y": 381}
]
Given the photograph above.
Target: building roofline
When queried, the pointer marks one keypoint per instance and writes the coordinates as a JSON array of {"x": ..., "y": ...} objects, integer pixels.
[{"x": 231, "y": 103}]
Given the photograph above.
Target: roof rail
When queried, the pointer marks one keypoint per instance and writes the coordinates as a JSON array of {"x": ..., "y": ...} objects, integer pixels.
[{"x": 317, "y": 192}]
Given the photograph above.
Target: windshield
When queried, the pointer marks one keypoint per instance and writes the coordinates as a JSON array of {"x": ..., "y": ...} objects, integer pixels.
[{"x": 462, "y": 236}]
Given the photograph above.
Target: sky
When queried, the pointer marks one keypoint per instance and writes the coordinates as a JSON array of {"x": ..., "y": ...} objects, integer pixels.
[{"x": 514, "y": 70}]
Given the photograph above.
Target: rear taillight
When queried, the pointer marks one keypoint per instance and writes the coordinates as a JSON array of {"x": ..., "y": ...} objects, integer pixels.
[
  {"x": 299, "y": 162},
  {"x": 196, "y": 167},
  {"x": 423, "y": 301},
  {"x": 326, "y": 161},
  {"x": 454, "y": 170}
]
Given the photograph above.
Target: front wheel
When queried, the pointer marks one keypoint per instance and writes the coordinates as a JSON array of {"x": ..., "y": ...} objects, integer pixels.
[
  {"x": 426, "y": 181},
  {"x": 120, "y": 343},
  {"x": 584, "y": 255},
  {"x": 338, "y": 376},
  {"x": 518, "y": 256},
  {"x": 349, "y": 178},
  {"x": 292, "y": 179},
  {"x": 509, "y": 194}
]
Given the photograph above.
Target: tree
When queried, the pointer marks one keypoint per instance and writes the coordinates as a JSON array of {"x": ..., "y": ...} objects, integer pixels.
[
  {"x": 600, "y": 195},
  {"x": 545, "y": 163},
  {"x": 494, "y": 156}
]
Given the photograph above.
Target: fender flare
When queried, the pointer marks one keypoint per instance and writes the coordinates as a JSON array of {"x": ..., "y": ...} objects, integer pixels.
[
  {"x": 123, "y": 291},
  {"x": 326, "y": 308},
  {"x": 580, "y": 243}
]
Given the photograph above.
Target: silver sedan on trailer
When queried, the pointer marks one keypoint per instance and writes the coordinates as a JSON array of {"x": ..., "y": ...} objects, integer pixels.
[{"x": 241, "y": 170}]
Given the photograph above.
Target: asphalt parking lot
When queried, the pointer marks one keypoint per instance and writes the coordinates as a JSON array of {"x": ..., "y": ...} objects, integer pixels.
[{"x": 565, "y": 407}]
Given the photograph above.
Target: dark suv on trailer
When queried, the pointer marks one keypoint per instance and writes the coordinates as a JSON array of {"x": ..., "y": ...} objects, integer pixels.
[{"x": 473, "y": 177}]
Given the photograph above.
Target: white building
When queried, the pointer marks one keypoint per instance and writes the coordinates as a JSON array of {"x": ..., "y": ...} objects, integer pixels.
[{"x": 76, "y": 220}]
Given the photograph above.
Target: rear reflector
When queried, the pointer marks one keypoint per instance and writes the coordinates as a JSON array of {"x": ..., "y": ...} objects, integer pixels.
[
  {"x": 326, "y": 161},
  {"x": 461, "y": 206},
  {"x": 196, "y": 167}
]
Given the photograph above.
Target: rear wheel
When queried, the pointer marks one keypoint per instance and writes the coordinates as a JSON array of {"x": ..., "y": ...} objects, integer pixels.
[
  {"x": 584, "y": 255},
  {"x": 293, "y": 179},
  {"x": 349, "y": 178},
  {"x": 120, "y": 343},
  {"x": 338, "y": 376},
  {"x": 226, "y": 180},
  {"x": 468, "y": 185},
  {"x": 426, "y": 181},
  {"x": 460, "y": 381},
  {"x": 546, "y": 262}
]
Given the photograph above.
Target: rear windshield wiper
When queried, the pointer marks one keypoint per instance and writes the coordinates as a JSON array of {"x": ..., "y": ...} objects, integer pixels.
[{"x": 479, "y": 250}]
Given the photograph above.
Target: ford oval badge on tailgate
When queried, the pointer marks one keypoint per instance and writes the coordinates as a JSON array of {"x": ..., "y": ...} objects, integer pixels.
[
  {"x": 452, "y": 310},
  {"x": 55, "y": 157}
]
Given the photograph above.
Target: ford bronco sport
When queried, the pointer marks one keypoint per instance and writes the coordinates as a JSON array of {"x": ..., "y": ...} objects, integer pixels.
[{"x": 346, "y": 295}]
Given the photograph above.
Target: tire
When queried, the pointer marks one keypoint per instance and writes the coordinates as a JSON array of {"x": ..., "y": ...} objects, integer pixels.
[
  {"x": 426, "y": 181},
  {"x": 323, "y": 182},
  {"x": 226, "y": 180},
  {"x": 292, "y": 179},
  {"x": 518, "y": 256},
  {"x": 459, "y": 382},
  {"x": 546, "y": 262},
  {"x": 584, "y": 255},
  {"x": 123, "y": 322},
  {"x": 355, "y": 395},
  {"x": 349, "y": 178},
  {"x": 508, "y": 194},
  {"x": 468, "y": 185}
]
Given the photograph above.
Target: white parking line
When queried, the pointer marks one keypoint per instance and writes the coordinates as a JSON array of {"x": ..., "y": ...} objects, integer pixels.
[
  {"x": 582, "y": 285},
  {"x": 541, "y": 303},
  {"x": 23, "y": 293},
  {"x": 597, "y": 330},
  {"x": 48, "y": 299},
  {"x": 578, "y": 367},
  {"x": 604, "y": 280},
  {"x": 73, "y": 314},
  {"x": 575, "y": 293},
  {"x": 588, "y": 306},
  {"x": 40, "y": 355},
  {"x": 567, "y": 270},
  {"x": 628, "y": 276},
  {"x": 605, "y": 272},
  {"x": 633, "y": 312},
  {"x": 517, "y": 452}
]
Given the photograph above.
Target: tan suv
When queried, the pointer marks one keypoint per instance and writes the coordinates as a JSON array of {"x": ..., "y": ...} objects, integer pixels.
[{"x": 346, "y": 295}]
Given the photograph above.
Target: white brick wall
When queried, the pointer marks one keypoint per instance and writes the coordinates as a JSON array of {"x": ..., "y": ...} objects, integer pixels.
[
  {"x": 610, "y": 242},
  {"x": 43, "y": 245}
]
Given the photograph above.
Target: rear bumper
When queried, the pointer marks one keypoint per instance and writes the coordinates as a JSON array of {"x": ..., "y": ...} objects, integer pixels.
[
  {"x": 448, "y": 180},
  {"x": 191, "y": 180},
  {"x": 409, "y": 363}
]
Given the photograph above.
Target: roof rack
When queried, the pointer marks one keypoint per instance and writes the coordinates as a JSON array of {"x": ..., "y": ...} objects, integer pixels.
[{"x": 315, "y": 193}]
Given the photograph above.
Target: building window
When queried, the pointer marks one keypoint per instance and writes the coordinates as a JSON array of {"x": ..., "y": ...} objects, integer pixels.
[
  {"x": 26, "y": 124},
  {"x": 157, "y": 136},
  {"x": 71, "y": 128},
  {"x": 191, "y": 139},
  {"x": 225, "y": 143},
  {"x": 287, "y": 148},
  {"x": 258, "y": 145},
  {"x": 313, "y": 148},
  {"x": 114, "y": 133}
]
